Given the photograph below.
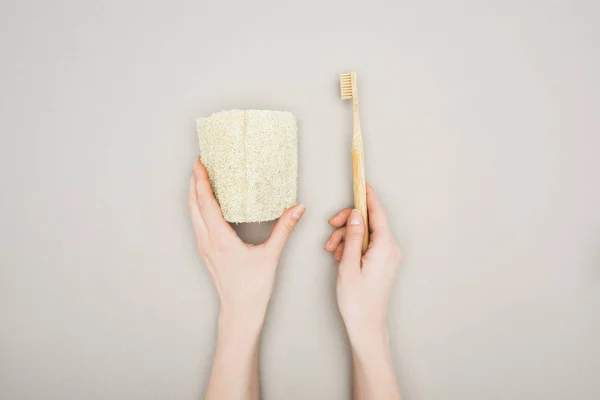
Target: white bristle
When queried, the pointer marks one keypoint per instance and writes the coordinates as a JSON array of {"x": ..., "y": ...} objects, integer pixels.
[{"x": 346, "y": 85}]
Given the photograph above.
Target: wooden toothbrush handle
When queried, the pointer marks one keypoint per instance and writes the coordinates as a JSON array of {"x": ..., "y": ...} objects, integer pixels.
[{"x": 360, "y": 186}]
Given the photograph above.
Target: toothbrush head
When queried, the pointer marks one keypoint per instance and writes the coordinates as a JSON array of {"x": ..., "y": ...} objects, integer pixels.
[{"x": 348, "y": 85}]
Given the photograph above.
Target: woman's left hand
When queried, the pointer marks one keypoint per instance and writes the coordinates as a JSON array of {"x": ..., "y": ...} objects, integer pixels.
[{"x": 243, "y": 274}]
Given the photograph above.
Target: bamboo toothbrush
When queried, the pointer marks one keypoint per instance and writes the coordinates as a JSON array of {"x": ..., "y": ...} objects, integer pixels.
[{"x": 348, "y": 89}]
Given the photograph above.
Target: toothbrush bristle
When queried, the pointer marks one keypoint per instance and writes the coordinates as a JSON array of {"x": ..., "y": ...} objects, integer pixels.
[{"x": 346, "y": 86}]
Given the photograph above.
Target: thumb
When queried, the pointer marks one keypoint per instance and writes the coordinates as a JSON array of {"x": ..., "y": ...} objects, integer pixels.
[
  {"x": 284, "y": 227},
  {"x": 355, "y": 230}
]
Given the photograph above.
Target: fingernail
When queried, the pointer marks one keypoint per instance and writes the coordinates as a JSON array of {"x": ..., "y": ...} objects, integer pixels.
[
  {"x": 197, "y": 163},
  {"x": 298, "y": 211},
  {"x": 355, "y": 217},
  {"x": 327, "y": 243}
]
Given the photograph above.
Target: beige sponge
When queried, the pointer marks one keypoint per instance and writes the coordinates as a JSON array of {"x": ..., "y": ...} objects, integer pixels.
[{"x": 252, "y": 162}]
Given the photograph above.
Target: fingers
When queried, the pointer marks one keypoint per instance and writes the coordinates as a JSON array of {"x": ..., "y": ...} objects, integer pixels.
[
  {"x": 206, "y": 202},
  {"x": 284, "y": 227},
  {"x": 197, "y": 220},
  {"x": 335, "y": 243},
  {"x": 335, "y": 239},
  {"x": 377, "y": 217},
  {"x": 340, "y": 218},
  {"x": 338, "y": 252},
  {"x": 355, "y": 229}
]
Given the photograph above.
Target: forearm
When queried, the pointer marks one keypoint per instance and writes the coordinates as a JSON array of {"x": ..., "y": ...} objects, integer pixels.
[
  {"x": 235, "y": 367},
  {"x": 373, "y": 370},
  {"x": 244, "y": 277}
]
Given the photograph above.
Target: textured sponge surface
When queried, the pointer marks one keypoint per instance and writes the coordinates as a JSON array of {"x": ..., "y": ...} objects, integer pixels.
[{"x": 252, "y": 162}]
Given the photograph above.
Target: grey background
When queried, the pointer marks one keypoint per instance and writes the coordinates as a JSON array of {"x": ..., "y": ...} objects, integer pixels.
[{"x": 482, "y": 130}]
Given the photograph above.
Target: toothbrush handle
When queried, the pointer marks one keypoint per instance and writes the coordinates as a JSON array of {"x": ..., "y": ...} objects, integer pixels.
[
  {"x": 358, "y": 165},
  {"x": 359, "y": 184}
]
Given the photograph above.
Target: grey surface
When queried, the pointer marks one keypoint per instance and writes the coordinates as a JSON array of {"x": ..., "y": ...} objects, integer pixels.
[{"x": 482, "y": 134}]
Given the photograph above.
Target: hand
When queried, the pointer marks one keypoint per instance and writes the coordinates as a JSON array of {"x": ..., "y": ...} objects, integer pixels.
[
  {"x": 364, "y": 282},
  {"x": 243, "y": 274}
]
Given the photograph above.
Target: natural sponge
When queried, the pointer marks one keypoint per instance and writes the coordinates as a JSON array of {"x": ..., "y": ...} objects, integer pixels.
[{"x": 252, "y": 162}]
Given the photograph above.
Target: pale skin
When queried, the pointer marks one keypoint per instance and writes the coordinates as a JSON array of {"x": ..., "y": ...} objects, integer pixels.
[{"x": 244, "y": 276}]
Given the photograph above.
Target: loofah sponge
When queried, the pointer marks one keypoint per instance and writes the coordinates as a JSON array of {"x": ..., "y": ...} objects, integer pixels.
[{"x": 252, "y": 162}]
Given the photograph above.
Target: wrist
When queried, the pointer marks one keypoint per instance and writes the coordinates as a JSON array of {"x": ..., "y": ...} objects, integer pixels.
[
  {"x": 369, "y": 342},
  {"x": 242, "y": 327}
]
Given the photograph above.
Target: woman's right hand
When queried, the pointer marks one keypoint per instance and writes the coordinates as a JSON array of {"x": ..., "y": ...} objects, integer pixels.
[
  {"x": 363, "y": 289},
  {"x": 364, "y": 281}
]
